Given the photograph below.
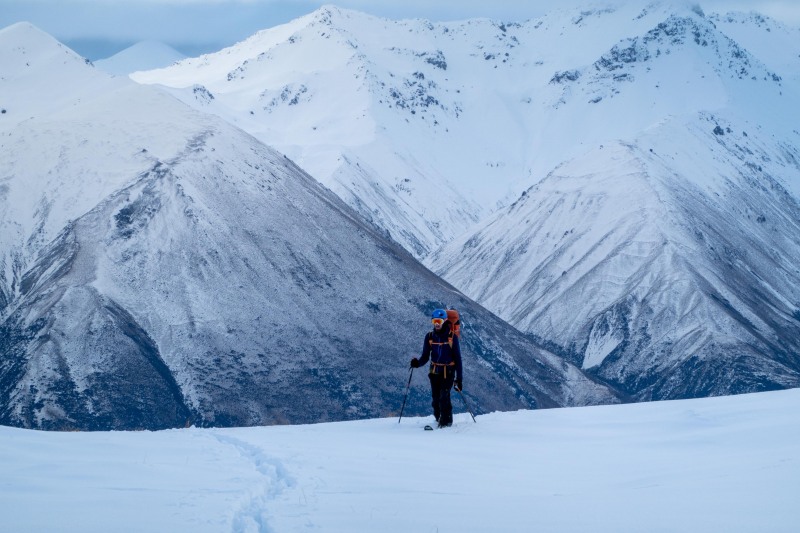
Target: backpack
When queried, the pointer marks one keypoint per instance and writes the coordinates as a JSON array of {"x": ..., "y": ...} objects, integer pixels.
[{"x": 455, "y": 322}]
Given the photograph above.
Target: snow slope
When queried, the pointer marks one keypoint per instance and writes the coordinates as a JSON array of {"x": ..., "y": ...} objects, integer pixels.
[
  {"x": 426, "y": 128},
  {"x": 159, "y": 267},
  {"x": 313, "y": 90},
  {"x": 653, "y": 150},
  {"x": 663, "y": 262},
  {"x": 664, "y": 285},
  {"x": 423, "y": 128},
  {"x": 720, "y": 464}
]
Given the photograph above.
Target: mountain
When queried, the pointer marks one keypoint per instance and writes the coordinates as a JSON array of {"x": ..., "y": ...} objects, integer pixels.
[
  {"x": 775, "y": 44},
  {"x": 144, "y": 55},
  {"x": 160, "y": 267},
  {"x": 423, "y": 128},
  {"x": 664, "y": 263},
  {"x": 360, "y": 103},
  {"x": 652, "y": 151}
]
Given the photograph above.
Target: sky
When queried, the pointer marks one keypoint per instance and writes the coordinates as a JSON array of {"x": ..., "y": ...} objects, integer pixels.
[{"x": 100, "y": 28}]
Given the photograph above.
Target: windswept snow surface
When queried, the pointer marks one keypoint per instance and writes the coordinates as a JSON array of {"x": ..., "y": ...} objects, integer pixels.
[{"x": 718, "y": 464}]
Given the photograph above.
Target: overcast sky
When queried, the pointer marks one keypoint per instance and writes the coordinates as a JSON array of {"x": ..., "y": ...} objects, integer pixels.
[{"x": 99, "y": 28}]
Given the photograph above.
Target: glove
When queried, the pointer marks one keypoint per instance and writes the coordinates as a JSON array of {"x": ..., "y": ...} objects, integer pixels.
[
  {"x": 415, "y": 363},
  {"x": 458, "y": 385}
]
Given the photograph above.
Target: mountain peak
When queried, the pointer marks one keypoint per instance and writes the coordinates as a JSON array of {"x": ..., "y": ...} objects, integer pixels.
[
  {"x": 719, "y": 65},
  {"x": 334, "y": 16},
  {"x": 28, "y": 46},
  {"x": 33, "y": 58},
  {"x": 144, "y": 55},
  {"x": 23, "y": 28},
  {"x": 23, "y": 38},
  {"x": 331, "y": 10}
]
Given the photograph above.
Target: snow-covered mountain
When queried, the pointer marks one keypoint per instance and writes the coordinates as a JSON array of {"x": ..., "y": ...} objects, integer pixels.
[
  {"x": 363, "y": 104},
  {"x": 661, "y": 285},
  {"x": 666, "y": 262},
  {"x": 144, "y": 55},
  {"x": 422, "y": 128},
  {"x": 159, "y": 266},
  {"x": 425, "y": 128},
  {"x": 656, "y": 149}
]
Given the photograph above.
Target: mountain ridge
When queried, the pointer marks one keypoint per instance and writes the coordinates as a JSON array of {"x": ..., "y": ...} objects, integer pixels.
[
  {"x": 162, "y": 267},
  {"x": 630, "y": 298},
  {"x": 638, "y": 166},
  {"x": 650, "y": 242},
  {"x": 467, "y": 108}
]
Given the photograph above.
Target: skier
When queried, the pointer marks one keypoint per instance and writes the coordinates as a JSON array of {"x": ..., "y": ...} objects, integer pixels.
[{"x": 441, "y": 347}]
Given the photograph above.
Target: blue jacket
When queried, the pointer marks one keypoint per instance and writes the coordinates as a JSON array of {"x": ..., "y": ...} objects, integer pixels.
[{"x": 437, "y": 349}]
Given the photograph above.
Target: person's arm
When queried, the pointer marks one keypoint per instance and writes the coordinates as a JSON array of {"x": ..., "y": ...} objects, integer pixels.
[{"x": 426, "y": 353}]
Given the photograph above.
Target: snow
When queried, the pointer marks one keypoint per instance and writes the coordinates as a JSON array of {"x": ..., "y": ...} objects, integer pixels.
[
  {"x": 717, "y": 464},
  {"x": 720, "y": 464},
  {"x": 144, "y": 55},
  {"x": 672, "y": 144},
  {"x": 178, "y": 257},
  {"x": 390, "y": 114}
]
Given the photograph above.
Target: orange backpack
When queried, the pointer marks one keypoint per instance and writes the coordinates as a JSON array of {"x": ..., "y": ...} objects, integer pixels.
[{"x": 455, "y": 322}]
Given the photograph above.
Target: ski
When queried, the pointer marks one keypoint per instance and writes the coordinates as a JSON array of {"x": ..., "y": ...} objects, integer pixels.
[{"x": 428, "y": 428}]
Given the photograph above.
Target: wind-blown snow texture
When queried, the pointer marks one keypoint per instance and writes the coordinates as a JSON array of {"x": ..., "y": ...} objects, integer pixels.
[
  {"x": 161, "y": 267},
  {"x": 717, "y": 464},
  {"x": 656, "y": 150}
]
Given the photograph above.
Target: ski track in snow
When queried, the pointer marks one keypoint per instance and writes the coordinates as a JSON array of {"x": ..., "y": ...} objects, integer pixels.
[{"x": 253, "y": 514}]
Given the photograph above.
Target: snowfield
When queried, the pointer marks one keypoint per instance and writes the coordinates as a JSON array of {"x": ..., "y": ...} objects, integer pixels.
[{"x": 727, "y": 464}]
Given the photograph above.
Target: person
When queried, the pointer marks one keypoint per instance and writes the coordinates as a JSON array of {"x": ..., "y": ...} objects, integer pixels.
[{"x": 442, "y": 348}]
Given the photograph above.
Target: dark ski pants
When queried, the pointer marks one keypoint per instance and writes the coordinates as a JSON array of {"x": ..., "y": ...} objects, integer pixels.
[{"x": 440, "y": 395}]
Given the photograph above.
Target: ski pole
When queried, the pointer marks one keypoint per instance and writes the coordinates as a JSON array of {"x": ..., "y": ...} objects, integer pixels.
[
  {"x": 465, "y": 403},
  {"x": 408, "y": 385}
]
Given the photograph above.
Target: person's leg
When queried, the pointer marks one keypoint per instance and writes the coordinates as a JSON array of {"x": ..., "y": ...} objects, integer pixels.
[
  {"x": 445, "y": 405},
  {"x": 436, "y": 391}
]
